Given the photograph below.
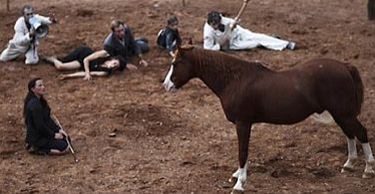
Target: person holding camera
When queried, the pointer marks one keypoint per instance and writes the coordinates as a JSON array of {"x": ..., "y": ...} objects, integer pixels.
[{"x": 28, "y": 29}]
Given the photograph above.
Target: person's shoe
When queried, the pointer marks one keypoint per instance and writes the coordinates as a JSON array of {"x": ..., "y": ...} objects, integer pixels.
[
  {"x": 143, "y": 39},
  {"x": 291, "y": 45}
]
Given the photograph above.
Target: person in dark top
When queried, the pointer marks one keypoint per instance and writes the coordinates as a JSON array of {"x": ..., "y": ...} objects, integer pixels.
[
  {"x": 169, "y": 36},
  {"x": 85, "y": 59},
  {"x": 121, "y": 42},
  {"x": 43, "y": 135}
]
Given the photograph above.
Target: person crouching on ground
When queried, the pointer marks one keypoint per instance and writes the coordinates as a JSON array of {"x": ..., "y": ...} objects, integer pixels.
[
  {"x": 89, "y": 62},
  {"x": 222, "y": 33},
  {"x": 169, "y": 37},
  {"x": 43, "y": 135},
  {"x": 25, "y": 40},
  {"x": 121, "y": 42}
]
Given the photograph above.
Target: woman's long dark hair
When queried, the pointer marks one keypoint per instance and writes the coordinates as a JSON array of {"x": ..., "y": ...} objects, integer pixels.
[
  {"x": 121, "y": 60},
  {"x": 30, "y": 95}
]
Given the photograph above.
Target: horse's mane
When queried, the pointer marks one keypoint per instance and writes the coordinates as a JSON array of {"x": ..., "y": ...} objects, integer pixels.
[{"x": 228, "y": 65}]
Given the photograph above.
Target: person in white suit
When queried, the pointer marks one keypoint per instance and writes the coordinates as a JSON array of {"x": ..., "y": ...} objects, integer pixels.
[
  {"x": 222, "y": 33},
  {"x": 25, "y": 40}
]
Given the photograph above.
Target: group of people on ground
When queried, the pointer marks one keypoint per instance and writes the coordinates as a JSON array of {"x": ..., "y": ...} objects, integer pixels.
[
  {"x": 118, "y": 47},
  {"x": 44, "y": 135}
]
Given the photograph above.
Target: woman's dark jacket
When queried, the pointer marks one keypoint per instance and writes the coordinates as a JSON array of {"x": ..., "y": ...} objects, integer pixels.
[{"x": 40, "y": 128}]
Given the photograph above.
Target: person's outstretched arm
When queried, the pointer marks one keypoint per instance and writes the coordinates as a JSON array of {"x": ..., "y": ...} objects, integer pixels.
[
  {"x": 45, "y": 20},
  {"x": 83, "y": 74}
]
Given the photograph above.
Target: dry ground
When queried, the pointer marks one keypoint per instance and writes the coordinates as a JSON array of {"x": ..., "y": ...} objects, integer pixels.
[{"x": 180, "y": 142}]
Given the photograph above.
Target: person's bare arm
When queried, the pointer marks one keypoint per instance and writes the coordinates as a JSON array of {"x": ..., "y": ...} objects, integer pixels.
[
  {"x": 93, "y": 56},
  {"x": 83, "y": 74}
]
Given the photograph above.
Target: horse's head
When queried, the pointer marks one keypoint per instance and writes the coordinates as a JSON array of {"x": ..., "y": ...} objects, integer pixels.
[{"x": 180, "y": 72}]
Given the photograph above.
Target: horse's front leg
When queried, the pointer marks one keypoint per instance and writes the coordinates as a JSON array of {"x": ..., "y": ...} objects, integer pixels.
[
  {"x": 243, "y": 135},
  {"x": 352, "y": 156}
]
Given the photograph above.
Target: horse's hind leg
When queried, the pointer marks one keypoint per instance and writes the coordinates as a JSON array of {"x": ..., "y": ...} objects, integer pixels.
[
  {"x": 361, "y": 135},
  {"x": 352, "y": 127}
]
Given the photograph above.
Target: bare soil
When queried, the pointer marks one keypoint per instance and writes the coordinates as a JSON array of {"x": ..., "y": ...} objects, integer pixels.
[{"x": 180, "y": 142}]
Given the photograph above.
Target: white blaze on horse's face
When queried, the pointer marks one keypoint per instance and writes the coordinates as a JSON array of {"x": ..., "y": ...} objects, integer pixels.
[{"x": 168, "y": 84}]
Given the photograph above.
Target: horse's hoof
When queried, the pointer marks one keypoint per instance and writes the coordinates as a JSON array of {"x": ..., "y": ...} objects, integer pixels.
[
  {"x": 237, "y": 192},
  {"x": 232, "y": 179},
  {"x": 346, "y": 169},
  {"x": 368, "y": 175}
]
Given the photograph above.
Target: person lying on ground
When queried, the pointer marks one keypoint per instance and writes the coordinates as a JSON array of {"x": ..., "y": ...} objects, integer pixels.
[
  {"x": 169, "y": 37},
  {"x": 222, "y": 33},
  {"x": 89, "y": 63},
  {"x": 43, "y": 134},
  {"x": 25, "y": 40}
]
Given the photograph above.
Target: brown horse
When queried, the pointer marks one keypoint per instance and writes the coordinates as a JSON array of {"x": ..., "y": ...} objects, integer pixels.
[{"x": 251, "y": 93}]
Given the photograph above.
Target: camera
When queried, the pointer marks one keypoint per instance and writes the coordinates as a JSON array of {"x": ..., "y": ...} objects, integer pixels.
[{"x": 41, "y": 30}]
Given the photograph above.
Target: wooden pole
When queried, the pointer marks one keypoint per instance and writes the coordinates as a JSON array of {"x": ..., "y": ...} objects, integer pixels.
[
  {"x": 371, "y": 9},
  {"x": 236, "y": 19},
  {"x": 183, "y": 3},
  {"x": 8, "y": 9}
]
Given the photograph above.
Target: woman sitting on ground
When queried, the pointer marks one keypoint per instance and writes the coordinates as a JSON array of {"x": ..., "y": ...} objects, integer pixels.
[
  {"x": 89, "y": 62},
  {"x": 43, "y": 135}
]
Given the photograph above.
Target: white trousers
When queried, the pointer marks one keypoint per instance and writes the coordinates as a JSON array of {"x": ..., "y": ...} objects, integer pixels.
[
  {"x": 245, "y": 39},
  {"x": 13, "y": 51}
]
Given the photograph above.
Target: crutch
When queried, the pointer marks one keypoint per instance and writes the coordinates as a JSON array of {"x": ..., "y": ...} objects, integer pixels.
[
  {"x": 237, "y": 18},
  {"x": 67, "y": 140}
]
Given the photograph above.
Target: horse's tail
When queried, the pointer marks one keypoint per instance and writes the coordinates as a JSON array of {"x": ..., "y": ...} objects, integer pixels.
[{"x": 358, "y": 85}]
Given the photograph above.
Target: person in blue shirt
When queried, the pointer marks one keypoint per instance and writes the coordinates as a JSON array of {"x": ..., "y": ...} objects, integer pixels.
[{"x": 169, "y": 37}]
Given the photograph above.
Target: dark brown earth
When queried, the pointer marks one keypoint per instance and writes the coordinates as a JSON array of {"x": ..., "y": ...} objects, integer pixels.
[{"x": 180, "y": 142}]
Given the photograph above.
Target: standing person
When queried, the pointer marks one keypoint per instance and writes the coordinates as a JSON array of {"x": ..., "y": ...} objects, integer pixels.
[
  {"x": 121, "y": 42},
  {"x": 43, "y": 135},
  {"x": 25, "y": 40},
  {"x": 222, "y": 33},
  {"x": 88, "y": 62},
  {"x": 169, "y": 36},
  {"x": 371, "y": 9}
]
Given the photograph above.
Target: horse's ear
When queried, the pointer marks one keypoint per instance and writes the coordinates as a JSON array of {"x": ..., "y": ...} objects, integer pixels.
[
  {"x": 176, "y": 54},
  {"x": 181, "y": 50},
  {"x": 187, "y": 47},
  {"x": 190, "y": 41}
]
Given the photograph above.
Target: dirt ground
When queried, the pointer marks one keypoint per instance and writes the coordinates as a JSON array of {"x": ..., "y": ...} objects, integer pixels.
[{"x": 180, "y": 142}]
